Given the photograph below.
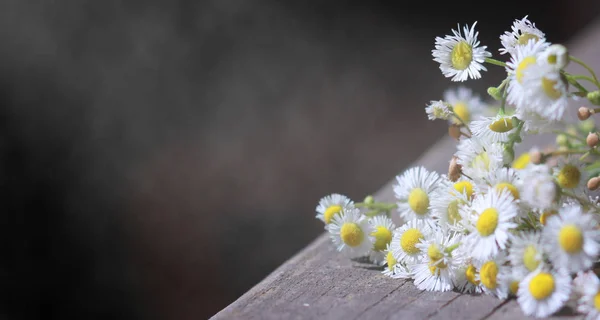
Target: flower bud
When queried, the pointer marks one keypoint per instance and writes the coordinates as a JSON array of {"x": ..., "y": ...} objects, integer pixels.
[
  {"x": 557, "y": 56},
  {"x": 369, "y": 200},
  {"x": 592, "y": 140},
  {"x": 594, "y": 97},
  {"x": 583, "y": 113},
  {"x": 535, "y": 157},
  {"x": 562, "y": 140},
  {"x": 593, "y": 183},
  {"x": 454, "y": 131},
  {"x": 454, "y": 170}
]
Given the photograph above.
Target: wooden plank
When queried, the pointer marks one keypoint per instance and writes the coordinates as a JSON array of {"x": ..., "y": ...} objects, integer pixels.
[{"x": 320, "y": 283}]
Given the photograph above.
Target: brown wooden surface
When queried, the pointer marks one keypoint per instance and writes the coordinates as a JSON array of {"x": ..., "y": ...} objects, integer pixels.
[{"x": 319, "y": 283}]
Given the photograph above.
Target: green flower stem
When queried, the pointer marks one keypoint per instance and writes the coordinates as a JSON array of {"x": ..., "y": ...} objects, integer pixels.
[
  {"x": 495, "y": 62},
  {"x": 503, "y": 103},
  {"x": 574, "y": 82},
  {"x": 572, "y": 136},
  {"x": 381, "y": 206},
  {"x": 590, "y": 70},
  {"x": 571, "y": 151},
  {"x": 452, "y": 248},
  {"x": 461, "y": 122},
  {"x": 570, "y": 194},
  {"x": 586, "y": 78}
]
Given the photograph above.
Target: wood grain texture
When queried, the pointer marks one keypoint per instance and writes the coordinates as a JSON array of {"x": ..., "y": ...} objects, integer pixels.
[{"x": 319, "y": 283}]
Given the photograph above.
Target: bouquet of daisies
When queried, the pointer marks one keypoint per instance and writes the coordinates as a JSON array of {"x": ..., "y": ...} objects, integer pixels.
[{"x": 496, "y": 223}]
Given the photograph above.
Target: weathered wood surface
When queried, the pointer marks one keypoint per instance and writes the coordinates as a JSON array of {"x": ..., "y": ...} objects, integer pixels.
[{"x": 319, "y": 283}]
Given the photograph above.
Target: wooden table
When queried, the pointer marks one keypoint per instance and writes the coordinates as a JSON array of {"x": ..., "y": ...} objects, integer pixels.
[{"x": 319, "y": 283}]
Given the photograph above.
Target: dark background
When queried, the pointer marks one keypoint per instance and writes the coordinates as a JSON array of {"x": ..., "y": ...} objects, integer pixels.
[{"x": 161, "y": 157}]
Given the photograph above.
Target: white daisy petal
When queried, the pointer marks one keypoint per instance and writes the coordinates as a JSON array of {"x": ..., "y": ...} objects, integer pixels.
[
  {"x": 491, "y": 273},
  {"x": 331, "y": 206},
  {"x": 405, "y": 240},
  {"x": 383, "y": 230},
  {"x": 493, "y": 129},
  {"x": 522, "y": 32},
  {"x": 437, "y": 270},
  {"x": 479, "y": 157},
  {"x": 526, "y": 252},
  {"x": 544, "y": 292},
  {"x": 465, "y": 104}
]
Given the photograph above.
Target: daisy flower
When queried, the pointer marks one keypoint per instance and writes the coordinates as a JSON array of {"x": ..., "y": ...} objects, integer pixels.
[
  {"x": 570, "y": 176},
  {"x": 493, "y": 129},
  {"x": 571, "y": 239},
  {"x": 512, "y": 280},
  {"x": 490, "y": 219},
  {"x": 505, "y": 179},
  {"x": 522, "y": 32},
  {"x": 438, "y": 110},
  {"x": 436, "y": 270},
  {"x": 465, "y": 104},
  {"x": 413, "y": 192},
  {"x": 445, "y": 206},
  {"x": 479, "y": 157},
  {"x": 491, "y": 273},
  {"x": 405, "y": 240},
  {"x": 332, "y": 205},
  {"x": 544, "y": 292},
  {"x": 519, "y": 64},
  {"x": 537, "y": 187},
  {"x": 526, "y": 252},
  {"x": 587, "y": 286},
  {"x": 460, "y": 55},
  {"x": 556, "y": 56},
  {"x": 351, "y": 233},
  {"x": 383, "y": 228},
  {"x": 466, "y": 278},
  {"x": 393, "y": 268},
  {"x": 545, "y": 90}
]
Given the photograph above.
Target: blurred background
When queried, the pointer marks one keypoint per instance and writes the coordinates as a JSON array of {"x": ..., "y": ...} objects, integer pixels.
[{"x": 159, "y": 158}]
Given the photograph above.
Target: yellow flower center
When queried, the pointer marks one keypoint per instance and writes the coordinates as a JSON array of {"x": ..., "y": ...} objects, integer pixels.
[
  {"x": 525, "y": 37},
  {"x": 435, "y": 258},
  {"x": 462, "y": 111},
  {"x": 470, "y": 275},
  {"x": 549, "y": 88},
  {"x": 526, "y": 62},
  {"x": 462, "y": 55},
  {"x": 545, "y": 215},
  {"x": 453, "y": 214},
  {"x": 570, "y": 239},
  {"x": 530, "y": 259},
  {"x": 597, "y": 301},
  {"x": 383, "y": 236},
  {"x": 465, "y": 187},
  {"x": 488, "y": 273},
  {"x": 409, "y": 240},
  {"x": 501, "y": 125},
  {"x": 391, "y": 261},
  {"x": 510, "y": 187},
  {"x": 552, "y": 59},
  {"x": 330, "y": 212},
  {"x": 514, "y": 287},
  {"x": 487, "y": 222},
  {"x": 541, "y": 286},
  {"x": 482, "y": 160},
  {"x": 418, "y": 201},
  {"x": 522, "y": 161},
  {"x": 568, "y": 177},
  {"x": 351, "y": 234}
]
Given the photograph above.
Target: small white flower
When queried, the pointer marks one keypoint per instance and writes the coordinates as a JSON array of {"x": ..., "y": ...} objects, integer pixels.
[
  {"x": 331, "y": 206},
  {"x": 544, "y": 292},
  {"x": 493, "y": 129},
  {"x": 465, "y": 104},
  {"x": 522, "y": 32},
  {"x": 491, "y": 218},
  {"x": 526, "y": 252},
  {"x": 393, "y": 268},
  {"x": 405, "y": 240},
  {"x": 479, "y": 157},
  {"x": 466, "y": 278},
  {"x": 546, "y": 91},
  {"x": 587, "y": 287},
  {"x": 519, "y": 64},
  {"x": 570, "y": 175},
  {"x": 571, "y": 239},
  {"x": 537, "y": 187},
  {"x": 383, "y": 229},
  {"x": 438, "y": 110},
  {"x": 351, "y": 233},
  {"x": 534, "y": 123},
  {"x": 460, "y": 56},
  {"x": 413, "y": 192},
  {"x": 491, "y": 275},
  {"x": 556, "y": 56},
  {"x": 448, "y": 200},
  {"x": 512, "y": 280},
  {"x": 436, "y": 272}
]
